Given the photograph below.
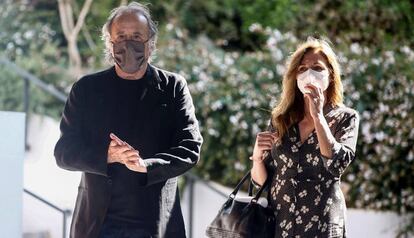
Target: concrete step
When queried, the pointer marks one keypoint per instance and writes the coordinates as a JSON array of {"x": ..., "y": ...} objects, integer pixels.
[{"x": 41, "y": 234}]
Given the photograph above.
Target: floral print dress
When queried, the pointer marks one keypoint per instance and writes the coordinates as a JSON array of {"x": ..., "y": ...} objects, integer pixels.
[{"x": 305, "y": 191}]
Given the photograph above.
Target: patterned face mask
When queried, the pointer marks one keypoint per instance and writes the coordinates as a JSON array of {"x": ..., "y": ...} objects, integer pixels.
[
  {"x": 315, "y": 78},
  {"x": 129, "y": 55}
]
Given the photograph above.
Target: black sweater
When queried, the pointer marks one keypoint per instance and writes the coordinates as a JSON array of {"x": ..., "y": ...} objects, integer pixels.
[{"x": 129, "y": 203}]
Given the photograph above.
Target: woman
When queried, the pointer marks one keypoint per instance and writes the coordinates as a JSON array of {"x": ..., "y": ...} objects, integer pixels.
[{"x": 312, "y": 140}]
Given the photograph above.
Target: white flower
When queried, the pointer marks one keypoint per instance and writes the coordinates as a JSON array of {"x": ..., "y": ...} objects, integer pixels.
[
  {"x": 326, "y": 209},
  {"x": 308, "y": 226},
  {"x": 328, "y": 183},
  {"x": 292, "y": 208},
  {"x": 286, "y": 198},
  {"x": 317, "y": 200},
  {"x": 329, "y": 201},
  {"x": 311, "y": 140},
  {"x": 283, "y": 170},
  {"x": 290, "y": 163},
  {"x": 283, "y": 224},
  {"x": 304, "y": 209},
  {"x": 283, "y": 158},
  {"x": 299, "y": 220},
  {"x": 324, "y": 227},
  {"x": 288, "y": 226},
  {"x": 278, "y": 207}
]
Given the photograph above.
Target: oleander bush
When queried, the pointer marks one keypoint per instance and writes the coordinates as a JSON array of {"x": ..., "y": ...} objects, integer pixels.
[{"x": 234, "y": 93}]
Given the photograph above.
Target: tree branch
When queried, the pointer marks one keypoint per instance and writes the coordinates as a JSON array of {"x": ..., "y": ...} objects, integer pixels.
[
  {"x": 85, "y": 9},
  {"x": 64, "y": 19}
]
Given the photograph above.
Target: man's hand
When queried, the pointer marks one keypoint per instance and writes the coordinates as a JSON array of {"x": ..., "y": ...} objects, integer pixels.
[
  {"x": 121, "y": 153},
  {"x": 125, "y": 154},
  {"x": 137, "y": 166}
]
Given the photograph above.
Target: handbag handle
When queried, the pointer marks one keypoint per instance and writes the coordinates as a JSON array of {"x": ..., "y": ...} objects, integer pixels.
[{"x": 238, "y": 186}]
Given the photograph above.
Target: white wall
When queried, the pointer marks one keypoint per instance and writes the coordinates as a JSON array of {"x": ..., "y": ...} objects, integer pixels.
[
  {"x": 12, "y": 127},
  {"x": 44, "y": 178}
]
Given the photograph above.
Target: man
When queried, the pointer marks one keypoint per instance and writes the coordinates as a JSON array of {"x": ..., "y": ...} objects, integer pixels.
[{"x": 131, "y": 130}]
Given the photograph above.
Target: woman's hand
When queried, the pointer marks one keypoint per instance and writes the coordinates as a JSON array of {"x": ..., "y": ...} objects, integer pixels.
[
  {"x": 316, "y": 100},
  {"x": 264, "y": 142}
]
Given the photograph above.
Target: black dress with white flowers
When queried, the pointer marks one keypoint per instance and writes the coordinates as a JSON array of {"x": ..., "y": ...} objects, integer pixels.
[{"x": 305, "y": 191}]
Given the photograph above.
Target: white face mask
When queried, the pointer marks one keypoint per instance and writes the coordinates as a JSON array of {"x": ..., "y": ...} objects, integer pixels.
[{"x": 315, "y": 78}]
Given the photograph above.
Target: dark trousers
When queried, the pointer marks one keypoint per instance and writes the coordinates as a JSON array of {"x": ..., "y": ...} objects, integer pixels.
[{"x": 112, "y": 230}]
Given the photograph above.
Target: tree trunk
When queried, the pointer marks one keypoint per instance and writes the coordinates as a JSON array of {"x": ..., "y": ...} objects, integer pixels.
[{"x": 71, "y": 32}]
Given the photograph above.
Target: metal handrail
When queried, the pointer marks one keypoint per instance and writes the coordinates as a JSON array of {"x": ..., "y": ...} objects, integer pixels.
[
  {"x": 65, "y": 212},
  {"x": 30, "y": 78},
  {"x": 33, "y": 79}
]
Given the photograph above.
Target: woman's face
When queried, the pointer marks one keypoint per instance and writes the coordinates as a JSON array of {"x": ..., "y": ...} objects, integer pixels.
[
  {"x": 313, "y": 59},
  {"x": 312, "y": 70}
]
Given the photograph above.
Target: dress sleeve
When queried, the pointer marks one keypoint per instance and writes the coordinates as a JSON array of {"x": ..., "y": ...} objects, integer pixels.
[{"x": 343, "y": 150}]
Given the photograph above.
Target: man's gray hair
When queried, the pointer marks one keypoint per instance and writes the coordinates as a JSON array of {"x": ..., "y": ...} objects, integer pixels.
[{"x": 133, "y": 7}]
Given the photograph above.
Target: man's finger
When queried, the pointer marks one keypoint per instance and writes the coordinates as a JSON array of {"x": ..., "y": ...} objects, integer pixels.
[
  {"x": 131, "y": 159},
  {"x": 116, "y": 138},
  {"x": 121, "y": 149},
  {"x": 113, "y": 143},
  {"x": 130, "y": 153},
  {"x": 132, "y": 148}
]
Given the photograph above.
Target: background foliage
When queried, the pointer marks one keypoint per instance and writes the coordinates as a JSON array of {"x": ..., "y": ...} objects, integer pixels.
[{"x": 233, "y": 54}]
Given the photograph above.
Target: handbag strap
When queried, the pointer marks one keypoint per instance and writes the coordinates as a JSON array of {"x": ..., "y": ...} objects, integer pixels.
[
  {"x": 245, "y": 177},
  {"x": 238, "y": 186},
  {"x": 250, "y": 190}
]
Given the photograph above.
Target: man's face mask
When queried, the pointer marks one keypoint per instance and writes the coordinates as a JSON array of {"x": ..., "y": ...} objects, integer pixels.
[
  {"x": 315, "y": 78},
  {"x": 129, "y": 55}
]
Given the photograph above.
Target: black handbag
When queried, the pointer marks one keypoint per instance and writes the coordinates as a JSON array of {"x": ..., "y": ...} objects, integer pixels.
[{"x": 243, "y": 219}]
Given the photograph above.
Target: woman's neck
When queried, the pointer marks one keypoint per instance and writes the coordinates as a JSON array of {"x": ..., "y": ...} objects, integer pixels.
[{"x": 306, "y": 113}]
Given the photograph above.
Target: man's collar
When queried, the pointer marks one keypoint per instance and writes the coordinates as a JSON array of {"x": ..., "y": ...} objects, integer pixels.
[{"x": 153, "y": 77}]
